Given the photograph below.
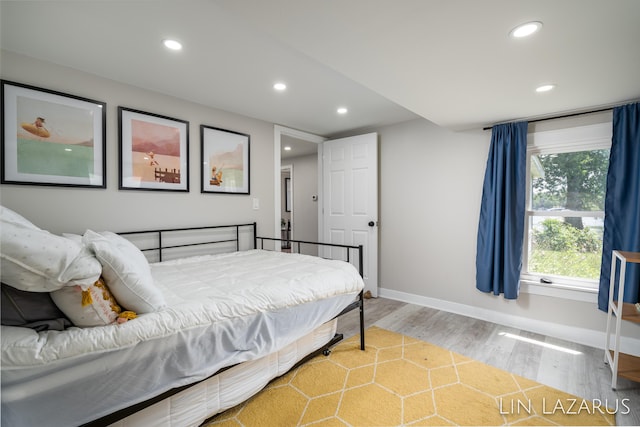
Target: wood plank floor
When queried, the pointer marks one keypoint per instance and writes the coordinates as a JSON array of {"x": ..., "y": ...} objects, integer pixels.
[{"x": 584, "y": 374}]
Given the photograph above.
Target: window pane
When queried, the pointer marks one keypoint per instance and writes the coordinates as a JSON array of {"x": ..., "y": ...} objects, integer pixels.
[
  {"x": 556, "y": 247},
  {"x": 572, "y": 181}
]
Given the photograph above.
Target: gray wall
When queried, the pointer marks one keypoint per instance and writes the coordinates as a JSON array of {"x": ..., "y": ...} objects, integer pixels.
[
  {"x": 283, "y": 202},
  {"x": 305, "y": 210},
  {"x": 430, "y": 191},
  {"x": 74, "y": 209},
  {"x": 305, "y": 185}
]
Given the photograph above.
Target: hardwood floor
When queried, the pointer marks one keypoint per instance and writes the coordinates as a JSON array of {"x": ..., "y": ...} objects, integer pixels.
[{"x": 583, "y": 374}]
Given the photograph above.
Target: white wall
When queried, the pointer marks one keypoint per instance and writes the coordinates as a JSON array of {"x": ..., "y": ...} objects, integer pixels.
[
  {"x": 430, "y": 192},
  {"x": 76, "y": 209}
]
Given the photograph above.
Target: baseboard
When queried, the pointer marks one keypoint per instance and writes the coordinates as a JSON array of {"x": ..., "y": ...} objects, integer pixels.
[{"x": 583, "y": 336}]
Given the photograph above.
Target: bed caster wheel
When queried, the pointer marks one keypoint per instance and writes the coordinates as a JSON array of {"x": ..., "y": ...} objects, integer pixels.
[{"x": 326, "y": 352}]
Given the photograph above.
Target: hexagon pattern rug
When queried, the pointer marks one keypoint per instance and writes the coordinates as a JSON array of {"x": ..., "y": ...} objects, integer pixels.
[{"x": 400, "y": 381}]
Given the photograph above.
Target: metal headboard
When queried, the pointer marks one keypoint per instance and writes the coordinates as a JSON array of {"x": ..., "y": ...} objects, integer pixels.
[{"x": 160, "y": 236}]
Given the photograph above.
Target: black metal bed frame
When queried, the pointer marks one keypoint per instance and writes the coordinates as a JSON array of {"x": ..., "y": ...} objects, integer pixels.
[{"x": 159, "y": 247}]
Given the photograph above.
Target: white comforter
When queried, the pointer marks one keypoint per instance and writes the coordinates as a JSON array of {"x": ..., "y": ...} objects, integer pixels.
[{"x": 222, "y": 310}]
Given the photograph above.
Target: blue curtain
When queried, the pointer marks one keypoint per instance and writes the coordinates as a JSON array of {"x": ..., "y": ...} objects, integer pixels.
[
  {"x": 622, "y": 202},
  {"x": 501, "y": 225}
]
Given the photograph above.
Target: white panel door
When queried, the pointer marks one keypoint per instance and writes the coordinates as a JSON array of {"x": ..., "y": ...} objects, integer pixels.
[{"x": 350, "y": 198}]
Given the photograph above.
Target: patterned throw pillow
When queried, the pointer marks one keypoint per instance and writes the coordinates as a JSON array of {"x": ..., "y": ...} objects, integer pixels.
[{"x": 95, "y": 306}]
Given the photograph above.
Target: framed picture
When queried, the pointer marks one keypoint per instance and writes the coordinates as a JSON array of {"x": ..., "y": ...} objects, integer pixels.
[
  {"x": 225, "y": 161},
  {"x": 52, "y": 138},
  {"x": 154, "y": 151}
]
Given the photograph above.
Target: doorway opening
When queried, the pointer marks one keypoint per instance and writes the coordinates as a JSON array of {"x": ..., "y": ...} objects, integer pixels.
[
  {"x": 355, "y": 181},
  {"x": 286, "y": 207},
  {"x": 303, "y": 221}
]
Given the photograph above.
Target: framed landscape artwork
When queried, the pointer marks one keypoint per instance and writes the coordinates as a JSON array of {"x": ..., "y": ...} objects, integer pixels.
[
  {"x": 225, "y": 161},
  {"x": 154, "y": 151},
  {"x": 52, "y": 138}
]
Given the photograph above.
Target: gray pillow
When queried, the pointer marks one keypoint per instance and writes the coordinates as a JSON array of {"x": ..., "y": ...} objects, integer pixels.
[{"x": 35, "y": 310}]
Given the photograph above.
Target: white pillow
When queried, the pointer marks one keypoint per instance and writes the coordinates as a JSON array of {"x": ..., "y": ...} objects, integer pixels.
[
  {"x": 7, "y": 215},
  {"x": 99, "y": 309},
  {"x": 35, "y": 260},
  {"x": 73, "y": 237},
  {"x": 126, "y": 271}
]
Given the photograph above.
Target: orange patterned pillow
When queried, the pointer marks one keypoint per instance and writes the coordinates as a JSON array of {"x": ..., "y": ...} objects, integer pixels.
[{"x": 94, "y": 306}]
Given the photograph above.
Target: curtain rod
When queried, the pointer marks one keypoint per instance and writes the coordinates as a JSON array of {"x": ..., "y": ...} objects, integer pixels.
[{"x": 562, "y": 116}]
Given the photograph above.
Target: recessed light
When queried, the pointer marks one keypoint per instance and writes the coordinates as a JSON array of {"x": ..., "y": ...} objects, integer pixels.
[
  {"x": 287, "y": 148},
  {"x": 280, "y": 86},
  {"x": 545, "y": 88},
  {"x": 342, "y": 110},
  {"x": 172, "y": 44},
  {"x": 525, "y": 30}
]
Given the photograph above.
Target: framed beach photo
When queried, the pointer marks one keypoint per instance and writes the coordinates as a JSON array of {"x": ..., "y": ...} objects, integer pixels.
[
  {"x": 225, "y": 161},
  {"x": 52, "y": 138},
  {"x": 154, "y": 151}
]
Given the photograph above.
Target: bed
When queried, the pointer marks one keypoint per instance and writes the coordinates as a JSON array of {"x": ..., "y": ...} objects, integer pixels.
[{"x": 224, "y": 315}]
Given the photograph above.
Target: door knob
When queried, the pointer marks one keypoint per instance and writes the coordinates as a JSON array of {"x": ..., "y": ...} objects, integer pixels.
[{"x": 371, "y": 223}]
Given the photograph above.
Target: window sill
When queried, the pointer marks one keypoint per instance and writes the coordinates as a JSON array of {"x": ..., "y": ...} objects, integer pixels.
[{"x": 559, "y": 290}]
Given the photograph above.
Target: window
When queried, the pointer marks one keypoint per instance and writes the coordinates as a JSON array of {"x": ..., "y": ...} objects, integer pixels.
[{"x": 566, "y": 184}]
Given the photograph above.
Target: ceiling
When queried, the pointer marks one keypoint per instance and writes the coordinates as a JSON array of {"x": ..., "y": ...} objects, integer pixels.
[
  {"x": 297, "y": 147},
  {"x": 449, "y": 61}
]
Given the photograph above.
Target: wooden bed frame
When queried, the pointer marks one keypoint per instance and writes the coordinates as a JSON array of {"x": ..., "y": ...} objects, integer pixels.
[{"x": 160, "y": 244}]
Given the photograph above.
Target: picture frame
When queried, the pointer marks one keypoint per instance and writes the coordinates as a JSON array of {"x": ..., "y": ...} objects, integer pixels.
[
  {"x": 225, "y": 164},
  {"x": 153, "y": 151},
  {"x": 52, "y": 138}
]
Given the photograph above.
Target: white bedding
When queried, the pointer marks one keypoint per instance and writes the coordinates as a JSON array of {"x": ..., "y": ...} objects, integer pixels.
[
  {"x": 191, "y": 407},
  {"x": 222, "y": 310}
]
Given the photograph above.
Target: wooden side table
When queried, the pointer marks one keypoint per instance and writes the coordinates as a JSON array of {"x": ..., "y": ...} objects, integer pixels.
[{"x": 621, "y": 364}]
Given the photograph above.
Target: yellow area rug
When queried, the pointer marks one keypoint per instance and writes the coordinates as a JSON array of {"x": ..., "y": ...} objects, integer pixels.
[{"x": 399, "y": 381}]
